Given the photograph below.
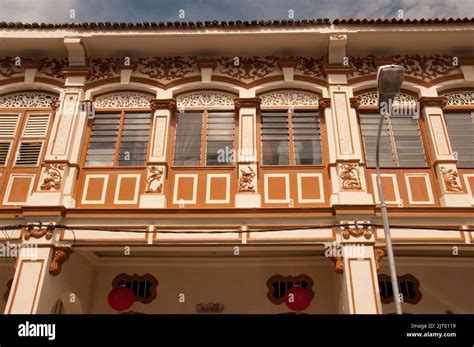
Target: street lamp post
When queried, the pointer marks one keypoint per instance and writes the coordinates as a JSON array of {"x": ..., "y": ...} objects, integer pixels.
[{"x": 389, "y": 82}]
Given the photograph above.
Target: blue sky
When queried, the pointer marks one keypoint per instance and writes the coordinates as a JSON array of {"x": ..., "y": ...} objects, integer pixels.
[{"x": 57, "y": 11}]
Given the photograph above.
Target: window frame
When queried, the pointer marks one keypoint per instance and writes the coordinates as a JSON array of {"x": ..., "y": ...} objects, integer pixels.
[
  {"x": 290, "y": 110},
  {"x": 203, "y": 157},
  {"x": 423, "y": 135},
  {"x": 456, "y": 109},
  {"x": 122, "y": 111}
]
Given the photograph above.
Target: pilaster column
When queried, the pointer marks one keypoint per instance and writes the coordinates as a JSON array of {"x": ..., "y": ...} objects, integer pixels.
[
  {"x": 443, "y": 159},
  {"x": 157, "y": 167},
  {"x": 61, "y": 162},
  {"x": 247, "y": 164},
  {"x": 39, "y": 260},
  {"x": 357, "y": 261},
  {"x": 346, "y": 164}
]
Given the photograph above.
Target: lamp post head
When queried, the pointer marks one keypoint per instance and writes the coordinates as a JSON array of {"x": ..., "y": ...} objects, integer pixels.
[
  {"x": 389, "y": 79},
  {"x": 389, "y": 82}
]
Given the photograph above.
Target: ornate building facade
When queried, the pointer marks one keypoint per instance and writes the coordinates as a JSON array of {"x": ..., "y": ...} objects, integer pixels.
[{"x": 210, "y": 167}]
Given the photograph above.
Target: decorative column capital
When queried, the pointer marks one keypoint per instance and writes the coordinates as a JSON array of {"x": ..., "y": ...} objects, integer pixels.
[
  {"x": 287, "y": 62},
  {"x": 324, "y": 103},
  {"x": 434, "y": 101},
  {"x": 355, "y": 102},
  {"x": 60, "y": 255},
  {"x": 379, "y": 253},
  {"x": 356, "y": 232},
  {"x": 31, "y": 64},
  {"x": 71, "y": 71},
  {"x": 55, "y": 105},
  {"x": 247, "y": 102},
  {"x": 338, "y": 261},
  {"x": 163, "y": 104},
  {"x": 206, "y": 63},
  {"x": 380, "y": 61},
  {"x": 336, "y": 69}
]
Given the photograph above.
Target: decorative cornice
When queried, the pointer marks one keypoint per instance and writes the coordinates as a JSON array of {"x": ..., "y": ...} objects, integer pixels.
[
  {"x": 60, "y": 255},
  {"x": 83, "y": 71},
  {"x": 287, "y": 62},
  {"x": 163, "y": 104},
  {"x": 435, "y": 101},
  {"x": 324, "y": 102},
  {"x": 355, "y": 102},
  {"x": 39, "y": 230},
  {"x": 336, "y": 69},
  {"x": 208, "y": 63},
  {"x": 247, "y": 102}
]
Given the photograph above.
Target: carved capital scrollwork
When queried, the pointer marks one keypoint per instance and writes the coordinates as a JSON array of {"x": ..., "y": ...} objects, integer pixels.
[
  {"x": 378, "y": 254},
  {"x": 163, "y": 104},
  {"x": 60, "y": 255},
  {"x": 324, "y": 103},
  {"x": 247, "y": 102},
  {"x": 435, "y": 101},
  {"x": 39, "y": 230},
  {"x": 338, "y": 261},
  {"x": 355, "y": 102},
  {"x": 356, "y": 232}
]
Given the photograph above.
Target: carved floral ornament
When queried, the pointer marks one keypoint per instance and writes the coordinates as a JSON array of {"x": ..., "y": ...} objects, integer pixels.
[
  {"x": 246, "y": 180},
  {"x": 51, "y": 67},
  {"x": 461, "y": 98},
  {"x": 349, "y": 175},
  {"x": 422, "y": 67},
  {"x": 123, "y": 100},
  {"x": 27, "y": 99},
  {"x": 52, "y": 176},
  {"x": 154, "y": 183},
  {"x": 371, "y": 99},
  {"x": 451, "y": 180},
  {"x": 289, "y": 98},
  {"x": 356, "y": 231},
  {"x": 205, "y": 98},
  {"x": 39, "y": 230}
]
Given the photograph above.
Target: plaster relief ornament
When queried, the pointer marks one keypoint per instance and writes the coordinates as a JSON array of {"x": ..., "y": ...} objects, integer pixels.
[
  {"x": 246, "y": 183},
  {"x": 461, "y": 98},
  {"x": 60, "y": 255},
  {"x": 349, "y": 174},
  {"x": 247, "y": 68},
  {"x": 426, "y": 67},
  {"x": 39, "y": 230},
  {"x": 311, "y": 66},
  {"x": 167, "y": 68},
  {"x": 153, "y": 182},
  {"x": 53, "y": 174},
  {"x": 356, "y": 232},
  {"x": 451, "y": 180}
]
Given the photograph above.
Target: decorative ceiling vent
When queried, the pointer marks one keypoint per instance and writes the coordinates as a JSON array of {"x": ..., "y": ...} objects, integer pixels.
[
  {"x": 123, "y": 100},
  {"x": 289, "y": 98},
  {"x": 370, "y": 99},
  {"x": 27, "y": 99},
  {"x": 460, "y": 98},
  {"x": 206, "y": 99}
]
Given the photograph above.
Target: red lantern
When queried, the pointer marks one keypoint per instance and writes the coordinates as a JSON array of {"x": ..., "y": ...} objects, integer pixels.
[
  {"x": 121, "y": 298},
  {"x": 297, "y": 298}
]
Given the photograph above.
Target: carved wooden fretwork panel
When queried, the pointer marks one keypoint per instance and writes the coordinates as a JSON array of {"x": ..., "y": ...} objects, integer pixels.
[
  {"x": 289, "y": 98},
  {"x": 370, "y": 99},
  {"x": 461, "y": 98},
  {"x": 123, "y": 100},
  {"x": 27, "y": 99},
  {"x": 205, "y": 98}
]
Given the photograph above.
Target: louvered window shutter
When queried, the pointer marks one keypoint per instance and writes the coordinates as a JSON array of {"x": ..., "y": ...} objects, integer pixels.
[
  {"x": 461, "y": 133},
  {"x": 8, "y": 127},
  {"x": 29, "y": 151}
]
